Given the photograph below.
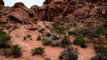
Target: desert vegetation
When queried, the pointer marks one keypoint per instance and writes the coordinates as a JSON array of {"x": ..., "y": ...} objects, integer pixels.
[
  {"x": 16, "y": 51},
  {"x": 68, "y": 54},
  {"x": 4, "y": 39},
  {"x": 79, "y": 41},
  {"x": 38, "y": 51},
  {"x": 101, "y": 50}
]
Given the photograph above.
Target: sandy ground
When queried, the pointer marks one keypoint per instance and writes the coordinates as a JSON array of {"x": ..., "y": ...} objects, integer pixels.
[{"x": 17, "y": 37}]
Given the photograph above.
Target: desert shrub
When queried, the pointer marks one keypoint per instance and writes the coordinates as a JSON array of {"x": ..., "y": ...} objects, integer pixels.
[
  {"x": 60, "y": 29},
  {"x": 65, "y": 41},
  {"x": 79, "y": 41},
  {"x": 101, "y": 51},
  {"x": 87, "y": 31},
  {"x": 54, "y": 44},
  {"x": 68, "y": 54},
  {"x": 72, "y": 33},
  {"x": 54, "y": 37},
  {"x": 48, "y": 34},
  {"x": 99, "y": 56},
  {"x": 38, "y": 51},
  {"x": 4, "y": 39},
  {"x": 105, "y": 25},
  {"x": 16, "y": 51},
  {"x": 41, "y": 30},
  {"x": 47, "y": 41}
]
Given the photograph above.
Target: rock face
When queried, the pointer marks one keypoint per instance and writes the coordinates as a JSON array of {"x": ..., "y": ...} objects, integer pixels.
[
  {"x": 79, "y": 9},
  {"x": 67, "y": 11},
  {"x": 64, "y": 11}
]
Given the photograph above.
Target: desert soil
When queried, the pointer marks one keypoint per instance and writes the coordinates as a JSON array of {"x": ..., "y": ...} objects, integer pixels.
[{"x": 17, "y": 37}]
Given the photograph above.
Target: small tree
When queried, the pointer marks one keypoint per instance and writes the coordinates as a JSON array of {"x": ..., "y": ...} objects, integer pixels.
[
  {"x": 16, "y": 51},
  {"x": 38, "y": 51},
  {"x": 68, "y": 54}
]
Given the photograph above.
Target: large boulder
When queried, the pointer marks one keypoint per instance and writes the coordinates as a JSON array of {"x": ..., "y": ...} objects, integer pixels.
[
  {"x": 19, "y": 5},
  {"x": 18, "y": 13},
  {"x": 82, "y": 13}
]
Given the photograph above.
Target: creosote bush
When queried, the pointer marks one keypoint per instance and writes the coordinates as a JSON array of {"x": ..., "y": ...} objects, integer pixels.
[
  {"x": 101, "y": 51},
  {"x": 65, "y": 41},
  {"x": 86, "y": 32},
  {"x": 54, "y": 37},
  {"x": 58, "y": 28},
  {"x": 68, "y": 54},
  {"x": 38, "y": 51},
  {"x": 79, "y": 41},
  {"x": 16, "y": 51},
  {"x": 4, "y": 39},
  {"x": 47, "y": 41}
]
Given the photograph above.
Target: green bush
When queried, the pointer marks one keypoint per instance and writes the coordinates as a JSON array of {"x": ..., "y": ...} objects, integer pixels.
[
  {"x": 54, "y": 37},
  {"x": 4, "y": 39},
  {"x": 38, "y": 51},
  {"x": 58, "y": 28},
  {"x": 79, "y": 41},
  {"x": 72, "y": 33},
  {"x": 105, "y": 25},
  {"x": 65, "y": 41},
  {"x": 41, "y": 30},
  {"x": 87, "y": 31},
  {"x": 48, "y": 34},
  {"x": 99, "y": 56},
  {"x": 16, "y": 51},
  {"x": 101, "y": 51},
  {"x": 68, "y": 54},
  {"x": 55, "y": 44},
  {"x": 47, "y": 41}
]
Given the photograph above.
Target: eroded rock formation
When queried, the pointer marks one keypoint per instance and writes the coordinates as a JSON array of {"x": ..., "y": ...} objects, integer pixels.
[{"x": 57, "y": 10}]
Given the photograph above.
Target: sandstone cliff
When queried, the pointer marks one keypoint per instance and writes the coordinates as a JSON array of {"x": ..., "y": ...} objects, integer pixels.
[{"x": 89, "y": 11}]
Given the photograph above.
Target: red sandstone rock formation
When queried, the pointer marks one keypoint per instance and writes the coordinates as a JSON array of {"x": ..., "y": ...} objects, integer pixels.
[{"x": 56, "y": 10}]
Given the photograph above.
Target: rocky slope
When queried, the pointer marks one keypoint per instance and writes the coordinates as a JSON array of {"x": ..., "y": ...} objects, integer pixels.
[{"x": 56, "y": 10}]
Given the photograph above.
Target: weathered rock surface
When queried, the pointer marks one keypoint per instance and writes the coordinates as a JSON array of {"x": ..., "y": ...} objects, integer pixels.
[
  {"x": 56, "y": 10},
  {"x": 18, "y": 13}
]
